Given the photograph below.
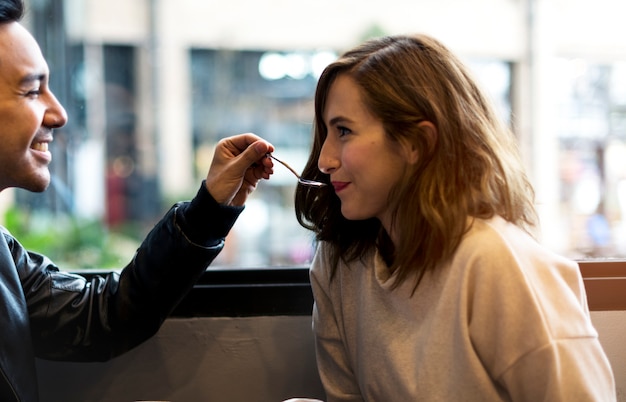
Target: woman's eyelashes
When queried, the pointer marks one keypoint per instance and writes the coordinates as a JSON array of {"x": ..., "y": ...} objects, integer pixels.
[{"x": 342, "y": 131}]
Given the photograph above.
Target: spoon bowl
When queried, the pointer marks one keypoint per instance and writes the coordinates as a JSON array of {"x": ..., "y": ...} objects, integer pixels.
[{"x": 304, "y": 182}]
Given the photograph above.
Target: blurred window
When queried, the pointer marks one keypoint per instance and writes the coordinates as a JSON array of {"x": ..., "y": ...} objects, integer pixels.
[{"x": 150, "y": 87}]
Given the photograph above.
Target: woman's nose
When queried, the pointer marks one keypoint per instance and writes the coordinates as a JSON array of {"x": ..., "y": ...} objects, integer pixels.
[{"x": 327, "y": 161}]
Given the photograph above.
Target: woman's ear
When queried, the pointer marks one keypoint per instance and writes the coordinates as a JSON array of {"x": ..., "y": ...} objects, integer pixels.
[
  {"x": 431, "y": 133},
  {"x": 429, "y": 137}
]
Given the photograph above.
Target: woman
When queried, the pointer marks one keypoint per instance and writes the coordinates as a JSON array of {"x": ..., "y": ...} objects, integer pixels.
[{"x": 428, "y": 283}]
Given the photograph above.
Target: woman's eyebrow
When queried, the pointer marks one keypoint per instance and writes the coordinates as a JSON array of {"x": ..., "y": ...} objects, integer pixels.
[{"x": 337, "y": 120}]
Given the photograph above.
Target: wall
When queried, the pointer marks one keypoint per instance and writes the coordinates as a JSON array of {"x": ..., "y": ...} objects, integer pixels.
[
  {"x": 245, "y": 335},
  {"x": 253, "y": 359},
  {"x": 259, "y": 359},
  {"x": 611, "y": 326}
]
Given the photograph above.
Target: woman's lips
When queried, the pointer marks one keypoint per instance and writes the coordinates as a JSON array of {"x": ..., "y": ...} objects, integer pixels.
[{"x": 340, "y": 185}]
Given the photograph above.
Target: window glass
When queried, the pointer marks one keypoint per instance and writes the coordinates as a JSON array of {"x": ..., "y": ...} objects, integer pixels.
[
  {"x": 592, "y": 153},
  {"x": 151, "y": 86},
  {"x": 269, "y": 93}
]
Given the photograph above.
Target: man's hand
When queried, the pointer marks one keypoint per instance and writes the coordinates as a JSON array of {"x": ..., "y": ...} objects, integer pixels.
[{"x": 238, "y": 164}]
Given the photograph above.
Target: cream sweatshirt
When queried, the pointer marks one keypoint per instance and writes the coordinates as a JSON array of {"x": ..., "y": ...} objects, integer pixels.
[{"x": 504, "y": 320}]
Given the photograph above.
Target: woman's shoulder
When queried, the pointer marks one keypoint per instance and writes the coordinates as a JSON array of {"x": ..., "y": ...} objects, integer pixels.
[
  {"x": 499, "y": 247},
  {"x": 495, "y": 234}
]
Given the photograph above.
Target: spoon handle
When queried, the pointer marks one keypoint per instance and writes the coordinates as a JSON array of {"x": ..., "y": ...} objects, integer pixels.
[{"x": 284, "y": 164}]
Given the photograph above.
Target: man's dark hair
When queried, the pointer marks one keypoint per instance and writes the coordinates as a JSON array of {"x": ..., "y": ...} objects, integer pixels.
[{"x": 11, "y": 10}]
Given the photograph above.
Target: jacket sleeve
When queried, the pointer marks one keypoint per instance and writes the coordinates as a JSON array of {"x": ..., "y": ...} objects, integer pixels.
[{"x": 76, "y": 319}]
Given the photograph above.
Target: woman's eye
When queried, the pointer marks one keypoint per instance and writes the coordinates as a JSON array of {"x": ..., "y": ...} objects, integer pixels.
[{"x": 342, "y": 131}]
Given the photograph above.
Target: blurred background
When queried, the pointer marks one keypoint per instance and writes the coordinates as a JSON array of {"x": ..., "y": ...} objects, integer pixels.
[{"x": 151, "y": 85}]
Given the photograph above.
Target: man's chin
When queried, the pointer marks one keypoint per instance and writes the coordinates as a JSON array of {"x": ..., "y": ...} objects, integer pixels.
[
  {"x": 39, "y": 190},
  {"x": 37, "y": 186}
]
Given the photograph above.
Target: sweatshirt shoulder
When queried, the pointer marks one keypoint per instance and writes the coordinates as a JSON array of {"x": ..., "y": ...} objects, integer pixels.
[{"x": 500, "y": 248}]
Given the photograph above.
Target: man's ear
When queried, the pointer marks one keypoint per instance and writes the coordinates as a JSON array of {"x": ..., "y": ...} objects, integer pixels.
[{"x": 429, "y": 137}]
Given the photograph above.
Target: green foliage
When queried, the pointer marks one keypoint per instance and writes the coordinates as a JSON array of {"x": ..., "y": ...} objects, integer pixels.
[
  {"x": 71, "y": 242},
  {"x": 373, "y": 31}
]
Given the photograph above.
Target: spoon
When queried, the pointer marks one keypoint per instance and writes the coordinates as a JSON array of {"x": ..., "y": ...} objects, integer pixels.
[{"x": 311, "y": 183}]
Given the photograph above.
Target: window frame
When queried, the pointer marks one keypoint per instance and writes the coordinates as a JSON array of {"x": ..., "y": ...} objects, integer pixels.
[
  {"x": 275, "y": 291},
  {"x": 605, "y": 284}
]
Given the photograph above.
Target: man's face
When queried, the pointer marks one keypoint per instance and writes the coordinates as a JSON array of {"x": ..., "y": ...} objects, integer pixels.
[{"x": 28, "y": 111}]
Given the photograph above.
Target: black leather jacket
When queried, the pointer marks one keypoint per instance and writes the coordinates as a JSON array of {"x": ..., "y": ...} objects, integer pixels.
[{"x": 54, "y": 315}]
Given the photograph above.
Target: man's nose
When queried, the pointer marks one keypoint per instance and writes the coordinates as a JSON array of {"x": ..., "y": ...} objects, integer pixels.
[{"x": 56, "y": 116}]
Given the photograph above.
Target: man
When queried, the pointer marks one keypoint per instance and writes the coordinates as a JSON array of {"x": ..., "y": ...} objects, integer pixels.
[{"x": 54, "y": 315}]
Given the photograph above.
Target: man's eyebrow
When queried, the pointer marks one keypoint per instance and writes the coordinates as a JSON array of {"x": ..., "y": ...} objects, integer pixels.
[{"x": 32, "y": 77}]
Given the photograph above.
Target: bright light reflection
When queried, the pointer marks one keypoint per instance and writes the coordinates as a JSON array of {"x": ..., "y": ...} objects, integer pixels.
[
  {"x": 275, "y": 66},
  {"x": 320, "y": 60},
  {"x": 296, "y": 66},
  {"x": 271, "y": 66}
]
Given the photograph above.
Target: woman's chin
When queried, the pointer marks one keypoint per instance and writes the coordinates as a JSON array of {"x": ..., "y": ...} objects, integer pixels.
[{"x": 352, "y": 215}]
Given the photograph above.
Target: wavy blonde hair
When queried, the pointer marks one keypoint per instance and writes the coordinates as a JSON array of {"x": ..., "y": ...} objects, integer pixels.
[{"x": 472, "y": 171}]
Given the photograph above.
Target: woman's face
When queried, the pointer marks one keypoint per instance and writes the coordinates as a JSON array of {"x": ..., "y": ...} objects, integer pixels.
[{"x": 363, "y": 163}]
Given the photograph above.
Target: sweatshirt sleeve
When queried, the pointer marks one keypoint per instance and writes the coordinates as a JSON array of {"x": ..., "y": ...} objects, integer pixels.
[
  {"x": 336, "y": 372},
  {"x": 530, "y": 324}
]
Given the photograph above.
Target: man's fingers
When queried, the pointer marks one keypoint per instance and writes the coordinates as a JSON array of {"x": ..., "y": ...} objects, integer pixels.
[{"x": 253, "y": 155}]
